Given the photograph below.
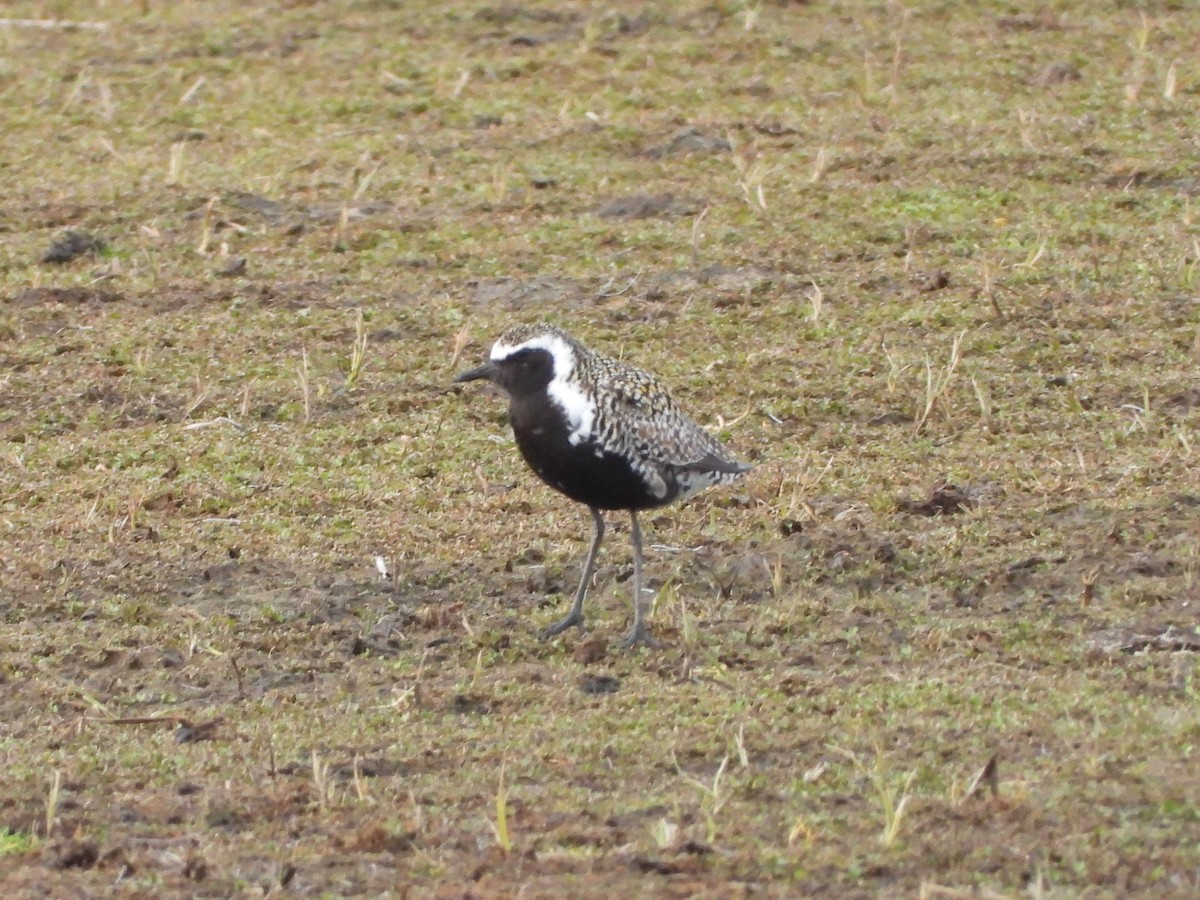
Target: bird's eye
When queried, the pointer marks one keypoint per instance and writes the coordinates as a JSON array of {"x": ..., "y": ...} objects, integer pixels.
[{"x": 523, "y": 354}]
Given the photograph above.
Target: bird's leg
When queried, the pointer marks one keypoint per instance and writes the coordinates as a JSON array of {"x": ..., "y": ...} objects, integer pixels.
[
  {"x": 639, "y": 633},
  {"x": 575, "y": 616}
]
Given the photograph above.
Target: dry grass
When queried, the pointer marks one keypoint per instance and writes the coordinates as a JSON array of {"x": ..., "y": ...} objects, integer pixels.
[{"x": 271, "y": 588}]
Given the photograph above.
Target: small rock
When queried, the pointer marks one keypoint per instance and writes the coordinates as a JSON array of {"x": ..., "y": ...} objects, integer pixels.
[
  {"x": 171, "y": 659},
  {"x": 235, "y": 265}
]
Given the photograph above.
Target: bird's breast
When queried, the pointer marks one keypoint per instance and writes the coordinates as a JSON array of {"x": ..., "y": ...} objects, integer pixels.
[{"x": 581, "y": 467}]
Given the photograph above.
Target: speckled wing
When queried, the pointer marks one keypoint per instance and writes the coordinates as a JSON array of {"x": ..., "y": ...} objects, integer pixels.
[{"x": 643, "y": 421}]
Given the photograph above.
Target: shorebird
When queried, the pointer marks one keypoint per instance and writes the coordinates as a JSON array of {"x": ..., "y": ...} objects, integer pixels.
[{"x": 604, "y": 433}]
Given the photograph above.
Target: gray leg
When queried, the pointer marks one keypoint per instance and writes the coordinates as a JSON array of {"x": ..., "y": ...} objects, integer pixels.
[
  {"x": 639, "y": 633},
  {"x": 575, "y": 616}
]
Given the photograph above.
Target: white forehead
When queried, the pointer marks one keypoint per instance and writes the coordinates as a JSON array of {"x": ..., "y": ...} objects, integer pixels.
[{"x": 560, "y": 350}]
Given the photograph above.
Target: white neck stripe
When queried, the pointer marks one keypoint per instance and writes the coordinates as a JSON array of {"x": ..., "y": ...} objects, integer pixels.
[
  {"x": 576, "y": 406},
  {"x": 564, "y": 356}
]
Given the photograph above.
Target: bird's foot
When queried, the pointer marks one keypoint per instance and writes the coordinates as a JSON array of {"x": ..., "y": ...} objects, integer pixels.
[
  {"x": 567, "y": 621},
  {"x": 639, "y": 634}
]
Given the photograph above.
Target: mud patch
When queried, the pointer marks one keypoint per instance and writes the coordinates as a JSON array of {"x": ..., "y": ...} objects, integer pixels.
[
  {"x": 1056, "y": 73},
  {"x": 1153, "y": 638},
  {"x": 71, "y": 854},
  {"x": 737, "y": 280},
  {"x": 647, "y": 206},
  {"x": 688, "y": 141},
  {"x": 950, "y": 499},
  {"x": 521, "y": 294},
  {"x": 1159, "y": 181},
  {"x": 67, "y": 296}
]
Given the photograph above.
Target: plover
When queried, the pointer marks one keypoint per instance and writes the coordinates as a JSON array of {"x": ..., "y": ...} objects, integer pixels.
[{"x": 605, "y": 434}]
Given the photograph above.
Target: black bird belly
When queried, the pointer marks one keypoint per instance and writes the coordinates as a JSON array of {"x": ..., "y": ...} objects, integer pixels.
[{"x": 585, "y": 472}]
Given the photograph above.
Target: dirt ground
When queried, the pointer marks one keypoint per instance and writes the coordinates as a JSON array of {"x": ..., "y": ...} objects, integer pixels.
[{"x": 271, "y": 586}]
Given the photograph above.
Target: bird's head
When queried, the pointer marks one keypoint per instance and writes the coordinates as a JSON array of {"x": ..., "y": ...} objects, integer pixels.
[{"x": 526, "y": 359}]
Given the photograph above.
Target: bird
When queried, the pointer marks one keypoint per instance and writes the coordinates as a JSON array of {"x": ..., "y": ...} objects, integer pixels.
[{"x": 605, "y": 434}]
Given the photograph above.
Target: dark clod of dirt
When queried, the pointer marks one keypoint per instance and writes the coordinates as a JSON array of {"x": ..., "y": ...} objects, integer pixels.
[
  {"x": 235, "y": 265},
  {"x": 646, "y": 206},
  {"x": 171, "y": 659},
  {"x": 943, "y": 501},
  {"x": 599, "y": 684},
  {"x": 590, "y": 651},
  {"x": 71, "y": 854},
  {"x": 193, "y": 732},
  {"x": 472, "y": 704},
  {"x": 652, "y": 866},
  {"x": 71, "y": 245}
]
